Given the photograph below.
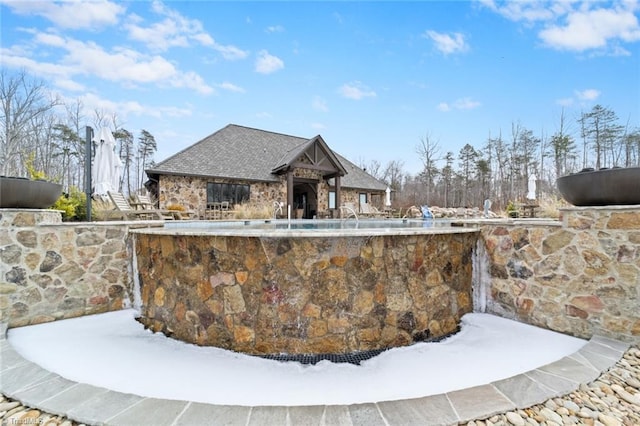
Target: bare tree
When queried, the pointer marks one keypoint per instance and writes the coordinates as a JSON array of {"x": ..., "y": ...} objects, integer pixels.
[
  {"x": 43, "y": 134},
  {"x": 428, "y": 149},
  {"x": 146, "y": 148},
  {"x": 393, "y": 175},
  {"x": 600, "y": 127},
  {"x": 22, "y": 99},
  {"x": 632, "y": 148},
  {"x": 447, "y": 177},
  {"x": 75, "y": 123},
  {"x": 124, "y": 139},
  {"x": 374, "y": 168},
  {"x": 468, "y": 157},
  {"x": 563, "y": 149},
  {"x": 67, "y": 142}
]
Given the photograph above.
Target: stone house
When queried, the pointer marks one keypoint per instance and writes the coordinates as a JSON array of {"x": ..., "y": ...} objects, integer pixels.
[{"x": 239, "y": 164}]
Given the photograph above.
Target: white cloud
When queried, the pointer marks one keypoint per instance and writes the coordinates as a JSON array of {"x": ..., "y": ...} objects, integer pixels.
[
  {"x": 565, "y": 102},
  {"x": 191, "y": 80},
  {"x": 528, "y": 11},
  {"x": 123, "y": 109},
  {"x": 69, "y": 85},
  {"x": 176, "y": 30},
  {"x": 466, "y": 103},
  {"x": 588, "y": 94},
  {"x": 231, "y": 87},
  {"x": 125, "y": 66},
  {"x": 71, "y": 14},
  {"x": 576, "y": 25},
  {"x": 448, "y": 43},
  {"x": 15, "y": 58},
  {"x": 275, "y": 29},
  {"x": 583, "y": 96},
  {"x": 319, "y": 104},
  {"x": 318, "y": 126},
  {"x": 592, "y": 29},
  {"x": 459, "y": 104},
  {"x": 356, "y": 90},
  {"x": 267, "y": 64},
  {"x": 230, "y": 52}
]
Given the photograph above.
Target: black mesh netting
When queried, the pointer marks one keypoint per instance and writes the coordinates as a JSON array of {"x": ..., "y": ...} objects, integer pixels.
[{"x": 351, "y": 358}]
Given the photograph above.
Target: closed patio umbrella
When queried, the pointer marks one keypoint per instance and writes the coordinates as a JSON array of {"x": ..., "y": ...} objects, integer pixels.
[
  {"x": 531, "y": 195},
  {"x": 106, "y": 164}
]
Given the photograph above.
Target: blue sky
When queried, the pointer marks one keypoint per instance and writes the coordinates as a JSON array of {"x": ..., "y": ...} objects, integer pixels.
[{"x": 372, "y": 78}]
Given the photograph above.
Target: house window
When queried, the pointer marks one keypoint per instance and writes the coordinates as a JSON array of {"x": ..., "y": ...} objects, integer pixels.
[
  {"x": 362, "y": 198},
  {"x": 234, "y": 193},
  {"x": 332, "y": 199}
]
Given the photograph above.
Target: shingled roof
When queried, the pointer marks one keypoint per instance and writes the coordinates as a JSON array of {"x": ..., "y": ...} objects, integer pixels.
[{"x": 238, "y": 152}]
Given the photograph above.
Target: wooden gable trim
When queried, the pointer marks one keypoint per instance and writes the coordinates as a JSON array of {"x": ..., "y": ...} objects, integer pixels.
[{"x": 319, "y": 157}]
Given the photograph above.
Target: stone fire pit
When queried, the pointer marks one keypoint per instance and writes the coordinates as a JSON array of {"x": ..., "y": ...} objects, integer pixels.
[
  {"x": 23, "y": 193},
  {"x": 604, "y": 187}
]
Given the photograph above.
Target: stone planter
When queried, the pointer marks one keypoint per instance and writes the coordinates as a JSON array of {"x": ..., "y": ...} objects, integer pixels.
[
  {"x": 23, "y": 193},
  {"x": 604, "y": 187}
]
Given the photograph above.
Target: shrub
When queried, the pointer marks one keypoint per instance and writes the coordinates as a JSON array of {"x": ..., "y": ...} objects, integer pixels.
[
  {"x": 176, "y": 207},
  {"x": 73, "y": 205}
]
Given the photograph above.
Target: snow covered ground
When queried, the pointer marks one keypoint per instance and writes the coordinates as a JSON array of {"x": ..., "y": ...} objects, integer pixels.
[{"x": 114, "y": 351}]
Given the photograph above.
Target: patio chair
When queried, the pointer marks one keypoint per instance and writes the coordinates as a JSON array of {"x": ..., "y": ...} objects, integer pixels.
[
  {"x": 218, "y": 210},
  {"x": 123, "y": 210},
  {"x": 412, "y": 212},
  {"x": 347, "y": 210},
  {"x": 145, "y": 203},
  {"x": 368, "y": 210}
]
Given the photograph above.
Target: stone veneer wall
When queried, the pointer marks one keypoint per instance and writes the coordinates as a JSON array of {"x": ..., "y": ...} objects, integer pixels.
[
  {"x": 191, "y": 192},
  {"x": 50, "y": 270},
  {"x": 268, "y": 295},
  {"x": 580, "y": 276}
]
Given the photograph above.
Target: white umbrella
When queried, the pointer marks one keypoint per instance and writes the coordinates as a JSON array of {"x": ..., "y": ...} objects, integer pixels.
[
  {"x": 106, "y": 164},
  {"x": 531, "y": 195},
  {"x": 387, "y": 200}
]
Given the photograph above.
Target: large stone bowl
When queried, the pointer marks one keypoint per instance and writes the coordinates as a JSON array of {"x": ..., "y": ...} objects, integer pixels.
[
  {"x": 23, "y": 193},
  {"x": 604, "y": 187}
]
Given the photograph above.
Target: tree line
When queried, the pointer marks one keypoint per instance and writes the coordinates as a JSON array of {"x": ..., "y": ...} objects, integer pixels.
[
  {"x": 39, "y": 131},
  {"x": 501, "y": 168}
]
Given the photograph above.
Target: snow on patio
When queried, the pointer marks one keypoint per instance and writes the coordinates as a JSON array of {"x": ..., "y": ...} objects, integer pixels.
[{"x": 114, "y": 351}]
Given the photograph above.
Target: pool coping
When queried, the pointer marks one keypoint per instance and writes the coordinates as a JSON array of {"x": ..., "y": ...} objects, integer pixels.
[
  {"x": 282, "y": 228},
  {"x": 41, "y": 389}
]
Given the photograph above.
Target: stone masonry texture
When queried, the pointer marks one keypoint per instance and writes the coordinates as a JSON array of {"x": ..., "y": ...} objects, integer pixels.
[
  {"x": 579, "y": 276},
  {"x": 270, "y": 295}
]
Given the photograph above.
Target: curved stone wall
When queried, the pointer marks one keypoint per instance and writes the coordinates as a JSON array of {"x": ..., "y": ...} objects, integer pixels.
[{"x": 269, "y": 295}]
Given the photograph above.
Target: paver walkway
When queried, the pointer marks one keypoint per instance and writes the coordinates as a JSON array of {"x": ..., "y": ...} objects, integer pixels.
[{"x": 36, "y": 387}]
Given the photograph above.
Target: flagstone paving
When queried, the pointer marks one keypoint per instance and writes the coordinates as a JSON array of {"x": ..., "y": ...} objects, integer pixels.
[{"x": 599, "y": 384}]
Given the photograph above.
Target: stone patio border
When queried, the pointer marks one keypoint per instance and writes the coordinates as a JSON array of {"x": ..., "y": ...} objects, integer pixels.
[{"x": 36, "y": 387}]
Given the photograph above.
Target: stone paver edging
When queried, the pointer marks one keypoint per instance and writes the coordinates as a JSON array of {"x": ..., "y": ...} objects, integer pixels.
[{"x": 36, "y": 387}]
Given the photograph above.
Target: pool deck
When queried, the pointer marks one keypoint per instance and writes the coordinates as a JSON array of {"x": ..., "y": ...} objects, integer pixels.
[{"x": 36, "y": 387}]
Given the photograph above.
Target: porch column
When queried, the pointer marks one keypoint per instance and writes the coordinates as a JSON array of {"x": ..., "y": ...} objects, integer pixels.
[
  {"x": 338, "y": 196},
  {"x": 290, "y": 192}
]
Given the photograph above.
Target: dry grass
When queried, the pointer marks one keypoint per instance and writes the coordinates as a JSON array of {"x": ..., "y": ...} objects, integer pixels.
[
  {"x": 549, "y": 208},
  {"x": 176, "y": 207},
  {"x": 252, "y": 211},
  {"x": 100, "y": 209}
]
